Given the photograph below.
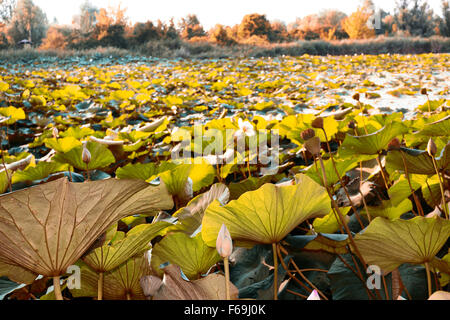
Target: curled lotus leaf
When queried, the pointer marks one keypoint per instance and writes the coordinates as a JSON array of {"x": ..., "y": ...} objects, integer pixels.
[
  {"x": 389, "y": 244},
  {"x": 46, "y": 228}
]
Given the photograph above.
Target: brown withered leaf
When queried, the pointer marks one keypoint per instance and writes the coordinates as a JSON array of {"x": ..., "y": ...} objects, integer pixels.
[
  {"x": 46, "y": 228},
  {"x": 175, "y": 287}
]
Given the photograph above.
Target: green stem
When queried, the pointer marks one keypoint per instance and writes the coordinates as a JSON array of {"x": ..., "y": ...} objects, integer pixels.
[
  {"x": 227, "y": 278},
  {"x": 275, "y": 272},
  {"x": 441, "y": 185},
  {"x": 418, "y": 204},
  {"x": 341, "y": 217},
  {"x": 57, "y": 288},
  {"x": 386, "y": 183}
]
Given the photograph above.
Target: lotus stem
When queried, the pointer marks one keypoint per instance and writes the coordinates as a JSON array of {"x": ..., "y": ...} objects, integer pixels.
[
  {"x": 441, "y": 185},
  {"x": 279, "y": 248},
  {"x": 396, "y": 287},
  {"x": 57, "y": 288},
  {"x": 427, "y": 268},
  {"x": 418, "y": 204},
  {"x": 341, "y": 217},
  {"x": 275, "y": 272},
  {"x": 100, "y": 286},
  {"x": 227, "y": 277},
  {"x": 386, "y": 183},
  {"x": 307, "y": 280},
  {"x": 342, "y": 182}
]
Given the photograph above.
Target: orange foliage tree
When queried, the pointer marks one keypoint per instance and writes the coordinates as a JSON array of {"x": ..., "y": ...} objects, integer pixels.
[{"x": 356, "y": 25}]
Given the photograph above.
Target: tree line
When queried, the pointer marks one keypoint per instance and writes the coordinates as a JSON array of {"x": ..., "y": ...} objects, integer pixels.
[{"x": 110, "y": 27}]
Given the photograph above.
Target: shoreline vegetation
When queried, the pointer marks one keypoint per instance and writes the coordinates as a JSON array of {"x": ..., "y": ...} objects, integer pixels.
[{"x": 177, "y": 48}]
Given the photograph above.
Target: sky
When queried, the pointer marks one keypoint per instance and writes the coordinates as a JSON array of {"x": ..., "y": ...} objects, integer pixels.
[{"x": 210, "y": 12}]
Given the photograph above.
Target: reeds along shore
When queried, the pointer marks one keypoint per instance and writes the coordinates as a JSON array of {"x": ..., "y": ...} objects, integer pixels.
[{"x": 175, "y": 48}]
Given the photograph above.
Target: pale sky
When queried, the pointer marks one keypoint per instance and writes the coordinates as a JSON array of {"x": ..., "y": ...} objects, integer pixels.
[{"x": 210, "y": 12}]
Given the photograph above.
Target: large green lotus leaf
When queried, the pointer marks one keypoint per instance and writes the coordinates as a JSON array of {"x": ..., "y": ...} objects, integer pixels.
[
  {"x": 101, "y": 156},
  {"x": 268, "y": 214},
  {"x": 174, "y": 287},
  {"x": 389, "y": 244},
  {"x": 39, "y": 171},
  {"x": 389, "y": 209},
  {"x": 121, "y": 283},
  {"x": 437, "y": 128},
  {"x": 373, "y": 143},
  {"x": 192, "y": 255},
  {"x": 143, "y": 171},
  {"x": 418, "y": 161},
  {"x": 137, "y": 240},
  {"x": 315, "y": 171},
  {"x": 13, "y": 113},
  {"x": 48, "y": 227},
  {"x": 190, "y": 217}
]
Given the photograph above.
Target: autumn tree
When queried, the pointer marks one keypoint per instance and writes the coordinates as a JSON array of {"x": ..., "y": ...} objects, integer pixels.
[
  {"x": 254, "y": 25},
  {"x": 356, "y": 25},
  {"x": 444, "y": 25},
  {"x": 330, "y": 24},
  {"x": 28, "y": 22},
  {"x": 144, "y": 32},
  {"x": 55, "y": 39},
  {"x": 110, "y": 27},
  {"x": 278, "y": 31},
  {"x": 220, "y": 35},
  {"x": 190, "y": 27},
  {"x": 85, "y": 21},
  {"x": 414, "y": 18}
]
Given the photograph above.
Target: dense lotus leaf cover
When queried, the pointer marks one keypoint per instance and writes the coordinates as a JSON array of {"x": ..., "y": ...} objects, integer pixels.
[{"x": 128, "y": 168}]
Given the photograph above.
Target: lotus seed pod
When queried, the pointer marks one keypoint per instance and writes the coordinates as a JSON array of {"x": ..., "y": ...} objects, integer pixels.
[
  {"x": 86, "y": 155},
  {"x": 356, "y": 96},
  {"x": 224, "y": 243},
  {"x": 424, "y": 91},
  {"x": 150, "y": 285},
  {"x": 352, "y": 124},
  {"x": 431, "y": 148},
  {"x": 307, "y": 134},
  {"x": 317, "y": 123},
  {"x": 313, "y": 145}
]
